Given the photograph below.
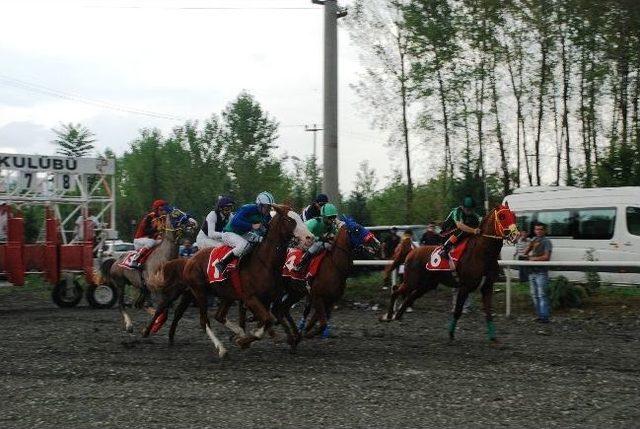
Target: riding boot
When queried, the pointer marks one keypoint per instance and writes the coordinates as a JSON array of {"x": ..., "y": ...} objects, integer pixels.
[
  {"x": 221, "y": 265},
  {"x": 446, "y": 247},
  {"x": 306, "y": 258}
]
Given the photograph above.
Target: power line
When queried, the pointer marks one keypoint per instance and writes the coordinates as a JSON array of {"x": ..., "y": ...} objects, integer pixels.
[{"x": 41, "y": 89}]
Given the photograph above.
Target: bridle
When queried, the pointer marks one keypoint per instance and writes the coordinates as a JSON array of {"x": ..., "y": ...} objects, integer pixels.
[{"x": 497, "y": 227}]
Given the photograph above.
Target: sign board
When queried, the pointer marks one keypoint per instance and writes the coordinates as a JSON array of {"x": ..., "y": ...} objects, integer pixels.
[{"x": 56, "y": 164}]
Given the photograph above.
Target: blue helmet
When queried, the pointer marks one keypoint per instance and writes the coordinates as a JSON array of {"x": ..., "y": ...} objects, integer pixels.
[
  {"x": 265, "y": 198},
  {"x": 224, "y": 202}
]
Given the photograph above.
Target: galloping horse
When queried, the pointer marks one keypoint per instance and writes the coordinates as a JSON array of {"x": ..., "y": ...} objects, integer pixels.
[
  {"x": 258, "y": 273},
  {"x": 478, "y": 268},
  {"x": 327, "y": 287},
  {"x": 176, "y": 222}
]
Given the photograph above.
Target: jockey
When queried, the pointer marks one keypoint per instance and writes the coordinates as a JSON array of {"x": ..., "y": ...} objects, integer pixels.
[
  {"x": 313, "y": 210},
  {"x": 461, "y": 222},
  {"x": 324, "y": 229},
  {"x": 210, "y": 234},
  {"x": 148, "y": 234},
  {"x": 246, "y": 228}
]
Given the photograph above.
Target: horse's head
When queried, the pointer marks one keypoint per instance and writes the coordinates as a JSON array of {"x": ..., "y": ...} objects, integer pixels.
[
  {"x": 502, "y": 221},
  {"x": 180, "y": 221},
  {"x": 287, "y": 223},
  {"x": 359, "y": 236}
]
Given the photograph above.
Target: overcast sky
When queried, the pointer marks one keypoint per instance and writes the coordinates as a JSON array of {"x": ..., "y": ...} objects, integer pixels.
[{"x": 184, "y": 59}]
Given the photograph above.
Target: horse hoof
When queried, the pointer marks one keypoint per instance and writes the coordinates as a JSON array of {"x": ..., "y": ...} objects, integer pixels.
[
  {"x": 244, "y": 342},
  {"x": 222, "y": 353},
  {"x": 145, "y": 333},
  {"x": 495, "y": 344},
  {"x": 129, "y": 329},
  {"x": 385, "y": 318}
]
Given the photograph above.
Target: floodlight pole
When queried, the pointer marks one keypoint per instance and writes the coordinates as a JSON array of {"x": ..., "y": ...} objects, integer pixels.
[{"x": 330, "y": 184}]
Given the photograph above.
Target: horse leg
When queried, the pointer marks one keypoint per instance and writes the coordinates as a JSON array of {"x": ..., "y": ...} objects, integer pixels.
[
  {"x": 127, "y": 323},
  {"x": 161, "y": 310},
  {"x": 305, "y": 314},
  {"x": 201, "y": 301},
  {"x": 319, "y": 315},
  {"x": 242, "y": 317},
  {"x": 265, "y": 317},
  {"x": 185, "y": 300},
  {"x": 408, "y": 301},
  {"x": 221, "y": 317},
  {"x": 487, "y": 294},
  {"x": 463, "y": 293},
  {"x": 395, "y": 293}
]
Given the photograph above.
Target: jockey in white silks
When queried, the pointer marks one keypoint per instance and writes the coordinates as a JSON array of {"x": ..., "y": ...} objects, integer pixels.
[
  {"x": 210, "y": 234},
  {"x": 246, "y": 228}
]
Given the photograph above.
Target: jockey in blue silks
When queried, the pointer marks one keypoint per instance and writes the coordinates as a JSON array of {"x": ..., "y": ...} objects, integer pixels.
[{"x": 246, "y": 228}]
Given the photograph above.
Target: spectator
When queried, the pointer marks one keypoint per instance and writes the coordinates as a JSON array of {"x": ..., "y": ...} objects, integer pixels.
[
  {"x": 187, "y": 249},
  {"x": 540, "y": 249},
  {"x": 430, "y": 236},
  {"x": 522, "y": 242},
  {"x": 390, "y": 243}
]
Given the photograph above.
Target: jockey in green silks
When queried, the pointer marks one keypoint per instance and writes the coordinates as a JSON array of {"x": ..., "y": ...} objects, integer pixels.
[
  {"x": 461, "y": 222},
  {"x": 324, "y": 229}
]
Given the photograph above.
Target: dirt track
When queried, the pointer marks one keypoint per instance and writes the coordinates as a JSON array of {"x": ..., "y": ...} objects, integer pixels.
[{"x": 75, "y": 368}]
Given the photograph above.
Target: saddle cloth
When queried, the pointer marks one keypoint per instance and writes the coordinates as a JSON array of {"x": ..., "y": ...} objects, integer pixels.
[
  {"x": 231, "y": 272},
  {"x": 438, "y": 263},
  {"x": 294, "y": 255},
  {"x": 145, "y": 253}
]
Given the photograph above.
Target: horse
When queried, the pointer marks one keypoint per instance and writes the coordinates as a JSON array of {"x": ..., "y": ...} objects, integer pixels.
[
  {"x": 168, "y": 285},
  {"x": 328, "y": 285},
  {"x": 478, "y": 268},
  {"x": 175, "y": 224},
  {"x": 257, "y": 272}
]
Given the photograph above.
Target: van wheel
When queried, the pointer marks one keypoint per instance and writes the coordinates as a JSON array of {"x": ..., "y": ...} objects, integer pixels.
[
  {"x": 101, "y": 296},
  {"x": 67, "y": 294}
]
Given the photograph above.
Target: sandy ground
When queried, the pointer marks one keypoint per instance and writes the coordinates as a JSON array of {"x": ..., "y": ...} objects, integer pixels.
[{"x": 76, "y": 368}]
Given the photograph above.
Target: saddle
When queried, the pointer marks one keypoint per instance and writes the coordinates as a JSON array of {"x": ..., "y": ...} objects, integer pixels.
[
  {"x": 294, "y": 255},
  {"x": 438, "y": 263},
  {"x": 143, "y": 253},
  {"x": 230, "y": 273}
]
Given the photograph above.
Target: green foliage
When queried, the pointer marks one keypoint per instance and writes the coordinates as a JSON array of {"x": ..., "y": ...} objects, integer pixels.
[
  {"x": 593, "y": 278},
  {"x": 563, "y": 294},
  {"x": 73, "y": 140}
]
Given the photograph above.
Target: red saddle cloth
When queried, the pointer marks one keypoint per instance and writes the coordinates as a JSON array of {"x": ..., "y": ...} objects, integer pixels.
[
  {"x": 231, "y": 272},
  {"x": 144, "y": 252},
  {"x": 438, "y": 263},
  {"x": 294, "y": 255}
]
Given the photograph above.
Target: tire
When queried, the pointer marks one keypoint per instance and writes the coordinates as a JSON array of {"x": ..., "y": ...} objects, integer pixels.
[
  {"x": 67, "y": 294},
  {"x": 101, "y": 296}
]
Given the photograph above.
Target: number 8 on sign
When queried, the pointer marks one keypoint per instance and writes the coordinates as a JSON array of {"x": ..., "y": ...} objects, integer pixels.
[{"x": 65, "y": 182}]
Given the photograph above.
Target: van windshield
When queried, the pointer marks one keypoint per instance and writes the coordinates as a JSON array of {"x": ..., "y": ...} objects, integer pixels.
[{"x": 633, "y": 220}]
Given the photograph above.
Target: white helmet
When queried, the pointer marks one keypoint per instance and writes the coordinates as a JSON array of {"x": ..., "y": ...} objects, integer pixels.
[{"x": 265, "y": 198}]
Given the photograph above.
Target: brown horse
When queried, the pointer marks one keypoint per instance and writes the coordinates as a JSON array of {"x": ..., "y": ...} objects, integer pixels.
[
  {"x": 258, "y": 272},
  {"x": 176, "y": 223},
  {"x": 327, "y": 287},
  {"x": 478, "y": 268},
  {"x": 167, "y": 285}
]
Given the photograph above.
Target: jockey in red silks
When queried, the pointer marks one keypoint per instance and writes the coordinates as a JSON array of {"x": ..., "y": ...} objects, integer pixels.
[{"x": 148, "y": 232}]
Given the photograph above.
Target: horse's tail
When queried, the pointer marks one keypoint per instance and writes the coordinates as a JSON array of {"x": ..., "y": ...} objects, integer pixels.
[{"x": 105, "y": 270}]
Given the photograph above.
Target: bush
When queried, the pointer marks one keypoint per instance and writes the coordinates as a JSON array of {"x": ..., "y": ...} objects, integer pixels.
[
  {"x": 593, "y": 278},
  {"x": 563, "y": 294}
]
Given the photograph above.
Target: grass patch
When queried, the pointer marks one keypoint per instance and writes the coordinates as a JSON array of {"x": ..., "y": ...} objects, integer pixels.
[
  {"x": 34, "y": 285},
  {"x": 366, "y": 288}
]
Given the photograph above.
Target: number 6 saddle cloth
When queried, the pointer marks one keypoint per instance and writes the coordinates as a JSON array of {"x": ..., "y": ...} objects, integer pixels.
[{"x": 438, "y": 263}]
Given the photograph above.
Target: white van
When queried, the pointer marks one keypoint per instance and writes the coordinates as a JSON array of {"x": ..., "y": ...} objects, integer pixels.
[{"x": 605, "y": 221}]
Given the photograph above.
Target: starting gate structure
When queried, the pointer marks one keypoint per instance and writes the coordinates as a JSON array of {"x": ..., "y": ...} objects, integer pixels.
[{"x": 78, "y": 195}]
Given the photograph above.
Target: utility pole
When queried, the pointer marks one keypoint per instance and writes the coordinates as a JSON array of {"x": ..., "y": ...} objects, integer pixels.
[
  {"x": 330, "y": 137},
  {"x": 314, "y": 130}
]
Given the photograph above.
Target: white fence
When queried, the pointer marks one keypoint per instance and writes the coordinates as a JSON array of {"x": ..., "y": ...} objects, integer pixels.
[{"x": 595, "y": 266}]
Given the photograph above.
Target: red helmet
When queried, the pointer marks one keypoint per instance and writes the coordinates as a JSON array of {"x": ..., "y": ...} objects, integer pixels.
[{"x": 158, "y": 203}]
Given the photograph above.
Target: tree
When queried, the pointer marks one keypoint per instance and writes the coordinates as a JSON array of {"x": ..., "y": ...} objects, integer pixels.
[
  {"x": 73, "y": 140},
  {"x": 376, "y": 26}
]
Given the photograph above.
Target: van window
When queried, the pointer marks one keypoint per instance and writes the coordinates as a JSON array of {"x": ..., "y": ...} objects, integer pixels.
[
  {"x": 595, "y": 224},
  {"x": 633, "y": 220},
  {"x": 558, "y": 222},
  {"x": 523, "y": 221}
]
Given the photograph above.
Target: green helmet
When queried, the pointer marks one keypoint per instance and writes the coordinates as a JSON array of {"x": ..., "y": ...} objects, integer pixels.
[
  {"x": 468, "y": 202},
  {"x": 328, "y": 210}
]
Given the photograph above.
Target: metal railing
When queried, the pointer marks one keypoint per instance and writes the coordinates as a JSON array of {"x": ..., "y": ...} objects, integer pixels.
[{"x": 588, "y": 266}]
